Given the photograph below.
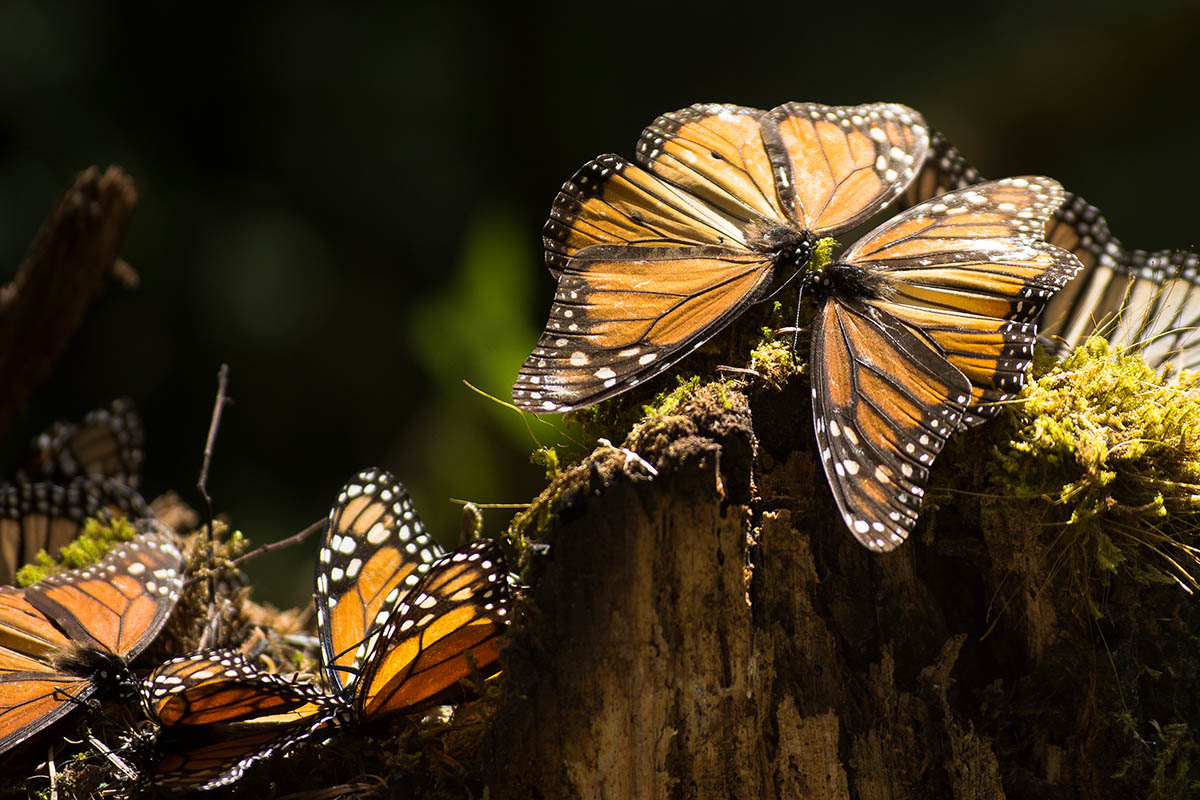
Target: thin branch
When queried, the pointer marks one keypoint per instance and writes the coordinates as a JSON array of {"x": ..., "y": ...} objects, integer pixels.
[
  {"x": 68, "y": 263},
  {"x": 270, "y": 546},
  {"x": 202, "y": 482}
]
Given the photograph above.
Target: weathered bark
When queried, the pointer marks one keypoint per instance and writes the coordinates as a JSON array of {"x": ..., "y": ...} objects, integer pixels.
[
  {"x": 68, "y": 263},
  {"x": 714, "y": 632}
]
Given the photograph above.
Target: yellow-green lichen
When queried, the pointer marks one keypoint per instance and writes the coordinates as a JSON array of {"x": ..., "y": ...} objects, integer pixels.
[
  {"x": 92, "y": 544},
  {"x": 1116, "y": 446}
]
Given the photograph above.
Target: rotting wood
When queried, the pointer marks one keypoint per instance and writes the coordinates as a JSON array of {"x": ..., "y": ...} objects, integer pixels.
[{"x": 714, "y": 632}]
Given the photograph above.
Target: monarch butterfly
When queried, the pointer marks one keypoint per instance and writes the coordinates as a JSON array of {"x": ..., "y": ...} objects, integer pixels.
[
  {"x": 400, "y": 622},
  {"x": 74, "y": 633},
  {"x": 653, "y": 262},
  {"x": 45, "y": 516},
  {"x": 920, "y": 326},
  {"x": 106, "y": 444}
]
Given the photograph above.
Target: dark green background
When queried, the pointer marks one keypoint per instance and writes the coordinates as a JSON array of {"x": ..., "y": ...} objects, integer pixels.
[{"x": 345, "y": 205}]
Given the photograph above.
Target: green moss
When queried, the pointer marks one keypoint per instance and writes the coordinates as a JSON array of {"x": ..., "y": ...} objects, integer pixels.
[
  {"x": 668, "y": 401},
  {"x": 547, "y": 459},
  {"x": 774, "y": 361},
  {"x": 822, "y": 255},
  {"x": 1116, "y": 447},
  {"x": 92, "y": 544}
]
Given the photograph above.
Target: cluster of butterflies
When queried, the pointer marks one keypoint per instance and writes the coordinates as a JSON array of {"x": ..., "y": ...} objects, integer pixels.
[
  {"x": 922, "y": 326},
  {"x": 401, "y": 623}
]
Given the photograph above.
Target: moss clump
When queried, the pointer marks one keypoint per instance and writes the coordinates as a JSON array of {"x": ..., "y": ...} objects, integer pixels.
[
  {"x": 547, "y": 459},
  {"x": 668, "y": 401},
  {"x": 774, "y": 360},
  {"x": 1116, "y": 446},
  {"x": 89, "y": 547}
]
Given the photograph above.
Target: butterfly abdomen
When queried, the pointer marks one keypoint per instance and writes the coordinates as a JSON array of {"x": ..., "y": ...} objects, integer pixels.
[{"x": 849, "y": 281}]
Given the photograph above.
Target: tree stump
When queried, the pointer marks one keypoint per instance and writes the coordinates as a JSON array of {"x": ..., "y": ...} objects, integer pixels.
[{"x": 713, "y": 631}]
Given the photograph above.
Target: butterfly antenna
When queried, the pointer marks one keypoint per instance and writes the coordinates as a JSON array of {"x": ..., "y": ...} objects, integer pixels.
[{"x": 796, "y": 325}]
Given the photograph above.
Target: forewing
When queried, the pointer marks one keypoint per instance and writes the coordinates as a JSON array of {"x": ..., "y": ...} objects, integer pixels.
[
  {"x": 374, "y": 551},
  {"x": 221, "y": 686},
  {"x": 971, "y": 271},
  {"x": 1090, "y": 302},
  {"x": 25, "y": 629},
  {"x": 121, "y": 603},
  {"x": 33, "y": 697},
  {"x": 884, "y": 403},
  {"x": 717, "y": 152},
  {"x": 622, "y": 315},
  {"x": 612, "y": 202},
  {"x": 448, "y": 627},
  {"x": 844, "y": 164}
]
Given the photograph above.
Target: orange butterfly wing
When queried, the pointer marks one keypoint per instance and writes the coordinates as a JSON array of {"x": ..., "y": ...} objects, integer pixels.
[
  {"x": 121, "y": 603},
  {"x": 448, "y": 626},
  {"x": 970, "y": 272},
  {"x": 221, "y": 686},
  {"x": 1089, "y": 303},
  {"x": 822, "y": 168},
  {"x": 884, "y": 403},
  {"x": 32, "y": 700},
  {"x": 374, "y": 551},
  {"x": 609, "y": 201},
  {"x": 652, "y": 274},
  {"x": 25, "y": 629}
]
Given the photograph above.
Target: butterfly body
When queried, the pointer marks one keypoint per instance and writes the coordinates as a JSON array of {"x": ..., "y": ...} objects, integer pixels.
[
  {"x": 849, "y": 281},
  {"x": 786, "y": 247}
]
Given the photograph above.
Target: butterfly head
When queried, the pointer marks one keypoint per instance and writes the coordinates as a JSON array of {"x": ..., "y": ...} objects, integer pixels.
[
  {"x": 107, "y": 670},
  {"x": 789, "y": 248}
]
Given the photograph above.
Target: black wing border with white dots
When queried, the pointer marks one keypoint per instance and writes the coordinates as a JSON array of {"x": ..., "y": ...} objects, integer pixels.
[{"x": 336, "y": 578}]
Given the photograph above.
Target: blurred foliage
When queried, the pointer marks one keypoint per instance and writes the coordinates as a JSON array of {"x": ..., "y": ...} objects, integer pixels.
[{"x": 345, "y": 203}]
